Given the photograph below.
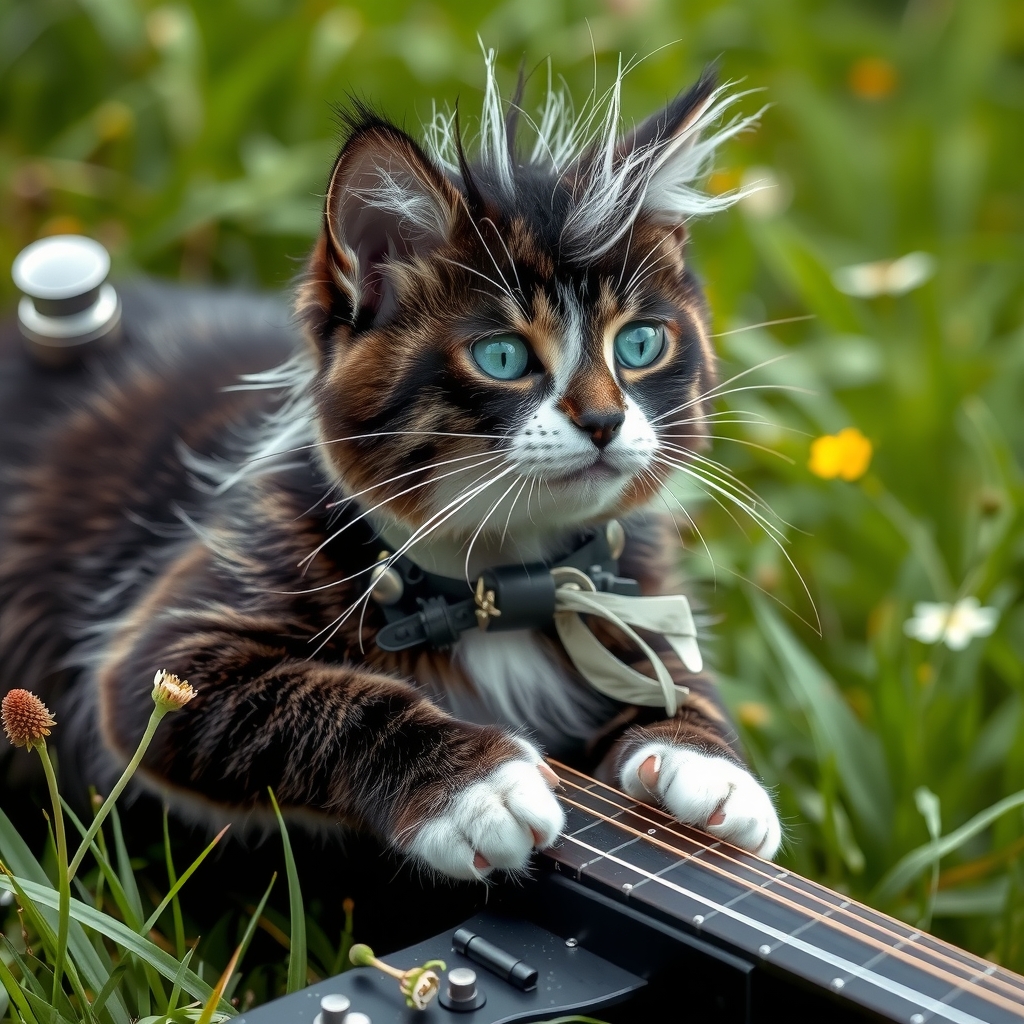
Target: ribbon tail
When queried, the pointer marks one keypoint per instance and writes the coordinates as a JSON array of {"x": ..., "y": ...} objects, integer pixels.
[{"x": 688, "y": 651}]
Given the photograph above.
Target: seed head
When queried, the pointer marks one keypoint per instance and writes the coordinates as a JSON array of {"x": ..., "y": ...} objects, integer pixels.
[
  {"x": 27, "y": 720},
  {"x": 170, "y": 692}
]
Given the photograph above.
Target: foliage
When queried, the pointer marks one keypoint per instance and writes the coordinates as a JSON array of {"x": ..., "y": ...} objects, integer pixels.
[{"x": 193, "y": 139}]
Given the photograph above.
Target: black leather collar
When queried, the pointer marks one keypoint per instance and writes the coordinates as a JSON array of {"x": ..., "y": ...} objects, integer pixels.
[{"x": 423, "y": 608}]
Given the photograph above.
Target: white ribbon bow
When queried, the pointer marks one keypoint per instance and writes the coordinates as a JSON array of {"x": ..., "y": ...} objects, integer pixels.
[{"x": 668, "y": 615}]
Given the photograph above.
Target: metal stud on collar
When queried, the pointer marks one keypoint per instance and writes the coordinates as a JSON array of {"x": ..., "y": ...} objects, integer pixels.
[{"x": 486, "y": 609}]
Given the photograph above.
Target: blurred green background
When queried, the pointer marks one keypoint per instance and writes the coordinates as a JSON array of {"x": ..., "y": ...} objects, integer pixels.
[{"x": 193, "y": 140}]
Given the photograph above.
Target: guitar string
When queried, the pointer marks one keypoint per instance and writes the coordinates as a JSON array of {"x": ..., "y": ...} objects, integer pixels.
[
  {"x": 870, "y": 940},
  {"x": 934, "y": 1006},
  {"x": 1013, "y": 984}
]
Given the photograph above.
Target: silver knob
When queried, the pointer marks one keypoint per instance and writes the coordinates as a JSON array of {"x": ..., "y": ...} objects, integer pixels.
[
  {"x": 357, "y": 1018},
  {"x": 461, "y": 984},
  {"x": 67, "y": 306},
  {"x": 334, "y": 1009}
]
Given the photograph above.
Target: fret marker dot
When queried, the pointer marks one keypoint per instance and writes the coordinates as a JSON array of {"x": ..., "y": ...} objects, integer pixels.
[
  {"x": 918, "y": 1018},
  {"x": 651, "y": 831},
  {"x": 571, "y": 943},
  {"x": 764, "y": 950},
  {"x": 627, "y": 887},
  {"x": 838, "y": 983}
]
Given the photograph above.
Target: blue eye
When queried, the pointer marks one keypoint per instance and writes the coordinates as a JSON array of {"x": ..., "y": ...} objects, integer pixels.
[
  {"x": 503, "y": 357},
  {"x": 639, "y": 344}
]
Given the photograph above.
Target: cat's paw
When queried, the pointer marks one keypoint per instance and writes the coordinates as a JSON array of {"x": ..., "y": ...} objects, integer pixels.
[
  {"x": 494, "y": 823},
  {"x": 712, "y": 793}
]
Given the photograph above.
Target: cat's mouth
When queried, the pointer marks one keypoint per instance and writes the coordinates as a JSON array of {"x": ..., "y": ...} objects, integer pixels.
[{"x": 599, "y": 471}]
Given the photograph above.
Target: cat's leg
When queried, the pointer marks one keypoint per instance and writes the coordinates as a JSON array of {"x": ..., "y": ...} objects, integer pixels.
[
  {"x": 358, "y": 747},
  {"x": 688, "y": 765}
]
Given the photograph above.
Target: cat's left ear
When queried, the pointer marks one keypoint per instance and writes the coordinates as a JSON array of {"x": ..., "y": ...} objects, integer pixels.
[{"x": 387, "y": 202}]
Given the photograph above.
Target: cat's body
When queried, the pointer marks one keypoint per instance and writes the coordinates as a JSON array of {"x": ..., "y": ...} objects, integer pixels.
[{"x": 227, "y": 536}]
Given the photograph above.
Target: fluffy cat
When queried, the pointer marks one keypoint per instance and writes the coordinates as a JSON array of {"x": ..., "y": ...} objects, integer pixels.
[{"x": 497, "y": 353}]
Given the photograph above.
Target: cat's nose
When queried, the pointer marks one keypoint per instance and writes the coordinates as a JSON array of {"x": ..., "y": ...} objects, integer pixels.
[{"x": 600, "y": 425}]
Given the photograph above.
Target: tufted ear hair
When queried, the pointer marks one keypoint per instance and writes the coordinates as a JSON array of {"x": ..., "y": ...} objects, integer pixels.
[
  {"x": 673, "y": 134},
  {"x": 386, "y": 202},
  {"x": 652, "y": 171}
]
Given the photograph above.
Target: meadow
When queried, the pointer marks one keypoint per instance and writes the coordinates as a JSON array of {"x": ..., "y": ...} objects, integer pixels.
[{"x": 863, "y": 583}]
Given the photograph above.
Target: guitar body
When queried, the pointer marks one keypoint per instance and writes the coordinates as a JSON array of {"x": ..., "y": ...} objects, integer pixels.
[{"x": 634, "y": 917}]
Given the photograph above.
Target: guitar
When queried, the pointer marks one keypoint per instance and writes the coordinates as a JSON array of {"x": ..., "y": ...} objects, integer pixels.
[{"x": 658, "y": 921}]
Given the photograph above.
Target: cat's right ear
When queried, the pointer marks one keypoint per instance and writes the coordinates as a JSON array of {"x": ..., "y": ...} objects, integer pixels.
[{"x": 386, "y": 203}]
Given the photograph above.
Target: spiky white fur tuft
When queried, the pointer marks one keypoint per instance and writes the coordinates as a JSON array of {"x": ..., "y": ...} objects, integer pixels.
[{"x": 612, "y": 183}]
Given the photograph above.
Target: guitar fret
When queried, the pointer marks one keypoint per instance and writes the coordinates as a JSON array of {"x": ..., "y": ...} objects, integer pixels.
[
  {"x": 704, "y": 875},
  {"x": 842, "y": 966}
]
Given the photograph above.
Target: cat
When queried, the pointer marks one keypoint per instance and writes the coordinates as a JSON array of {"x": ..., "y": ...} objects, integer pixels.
[{"x": 495, "y": 356}]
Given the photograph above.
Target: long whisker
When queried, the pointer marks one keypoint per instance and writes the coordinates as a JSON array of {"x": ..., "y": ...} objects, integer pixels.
[
  {"x": 508, "y": 518},
  {"x": 767, "y": 323},
  {"x": 483, "y": 523},
  {"x": 735, "y": 440},
  {"x": 714, "y": 390},
  {"x": 408, "y": 490},
  {"x": 720, "y": 472},
  {"x": 433, "y": 523},
  {"x": 768, "y": 527},
  {"x": 419, "y": 469},
  {"x": 374, "y": 434}
]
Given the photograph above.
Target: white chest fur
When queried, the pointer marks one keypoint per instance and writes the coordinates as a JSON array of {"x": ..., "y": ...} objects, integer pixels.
[{"x": 519, "y": 681}]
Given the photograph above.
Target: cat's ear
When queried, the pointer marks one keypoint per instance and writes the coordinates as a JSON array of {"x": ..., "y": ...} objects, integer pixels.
[
  {"x": 386, "y": 202},
  {"x": 674, "y": 135}
]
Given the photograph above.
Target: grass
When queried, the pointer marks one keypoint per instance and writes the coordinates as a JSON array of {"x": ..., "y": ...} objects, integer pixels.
[{"x": 193, "y": 140}]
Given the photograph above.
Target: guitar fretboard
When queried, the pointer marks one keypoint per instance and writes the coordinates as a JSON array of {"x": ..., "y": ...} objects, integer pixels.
[{"x": 791, "y": 924}]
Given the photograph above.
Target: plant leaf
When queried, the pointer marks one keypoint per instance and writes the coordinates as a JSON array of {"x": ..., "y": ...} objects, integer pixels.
[{"x": 297, "y": 952}]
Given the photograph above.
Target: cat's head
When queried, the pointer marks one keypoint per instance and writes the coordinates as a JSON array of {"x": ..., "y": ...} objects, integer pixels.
[{"x": 505, "y": 342}]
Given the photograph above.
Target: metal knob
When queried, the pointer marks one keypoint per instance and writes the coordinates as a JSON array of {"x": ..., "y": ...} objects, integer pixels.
[
  {"x": 461, "y": 993},
  {"x": 461, "y": 984},
  {"x": 357, "y": 1018},
  {"x": 334, "y": 1009},
  {"x": 67, "y": 307}
]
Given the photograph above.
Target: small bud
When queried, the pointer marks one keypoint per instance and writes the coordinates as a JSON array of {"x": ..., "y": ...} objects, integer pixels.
[
  {"x": 170, "y": 692},
  {"x": 27, "y": 720},
  {"x": 361, "y": 955}
]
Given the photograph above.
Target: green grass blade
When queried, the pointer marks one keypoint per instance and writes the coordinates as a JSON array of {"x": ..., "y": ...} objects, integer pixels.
[
  {"x": 105, "y": 993},
  {"x": 16, "y": 994},
  {"x": 172, "y": 1001},
  {"x": 176, "y": 886},
  {"x": 858, "y": 753},
  {"x": 297, "y": 964},
  {"x": 250, "y": 931},
  {"x": 124, "y": 870},
  {"x": 172, "y": 879},
  {"x": 911, "y": 866},
  {"x": 163, "y": 963},
  {"x": 107, "y": 871}
]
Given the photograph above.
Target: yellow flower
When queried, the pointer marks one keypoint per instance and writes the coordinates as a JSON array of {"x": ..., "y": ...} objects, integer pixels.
[{"x": 846, "y": 454}]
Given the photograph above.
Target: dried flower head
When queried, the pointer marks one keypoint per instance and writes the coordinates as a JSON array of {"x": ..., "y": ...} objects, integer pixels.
[
  {"x": 421, "y": 984},
  {"x": 170, "y": 692},
  {"x": 27, "y": 720}
]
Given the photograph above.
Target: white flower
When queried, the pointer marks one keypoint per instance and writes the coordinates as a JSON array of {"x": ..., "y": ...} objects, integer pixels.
[
  {"x": 886, "y": 277},
  {"x": 956, "y": 625}
]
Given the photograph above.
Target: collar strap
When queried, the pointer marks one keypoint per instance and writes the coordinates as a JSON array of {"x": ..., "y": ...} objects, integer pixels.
[
  {"x": 504, "y": 598},
  {"x": 532, "y": 597}
]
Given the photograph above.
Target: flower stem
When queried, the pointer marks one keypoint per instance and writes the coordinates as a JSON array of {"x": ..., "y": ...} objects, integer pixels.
[
  {"x": 63, "y": 874},
  {"x": 147, "y": 737}
]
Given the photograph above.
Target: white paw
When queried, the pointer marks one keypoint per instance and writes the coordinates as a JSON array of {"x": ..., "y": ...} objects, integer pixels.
[
  {"x": 494, "y": 823},
  {"x": 709, "y": 792}
]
